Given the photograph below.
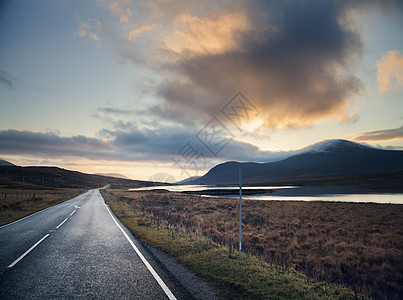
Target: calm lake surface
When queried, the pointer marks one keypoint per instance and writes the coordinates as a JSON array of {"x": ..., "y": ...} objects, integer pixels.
[{"x": 339, "y": 194}]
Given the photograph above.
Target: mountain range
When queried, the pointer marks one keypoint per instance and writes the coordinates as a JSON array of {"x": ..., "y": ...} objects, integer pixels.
[
  {"x": 331, "y": 162},
  {"x": 327, "y": 162}
]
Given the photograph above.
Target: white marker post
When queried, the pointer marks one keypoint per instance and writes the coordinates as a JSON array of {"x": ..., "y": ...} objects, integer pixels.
[{"x": 240, "y": 213}]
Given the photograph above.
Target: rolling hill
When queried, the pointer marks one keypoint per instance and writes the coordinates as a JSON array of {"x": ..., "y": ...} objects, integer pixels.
[
  {"x": 116, "y": 175},
  {"x": 328, "y": 162},
  {"x": 53, "y": 177},
  {"x": 5, "y": 163}
]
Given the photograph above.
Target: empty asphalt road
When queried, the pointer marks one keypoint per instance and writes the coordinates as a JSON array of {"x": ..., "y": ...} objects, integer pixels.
[{"x": 78, "y": 249}]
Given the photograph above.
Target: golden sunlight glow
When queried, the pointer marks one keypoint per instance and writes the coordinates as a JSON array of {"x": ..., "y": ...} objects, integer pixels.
[
  {"x": 207, "y": 35},
  {"x": 137, "y": 31},
  {"x": 121, "y": 9}
]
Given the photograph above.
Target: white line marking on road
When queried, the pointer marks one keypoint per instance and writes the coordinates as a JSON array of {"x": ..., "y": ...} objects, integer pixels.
[
  {"x": 57, "y": 227},
  {"x": 73, "y": 212},
  {"x": 26, "y": 252},
  {"x": 149, "y": 267},
  {"x": 38, "y": 212}
]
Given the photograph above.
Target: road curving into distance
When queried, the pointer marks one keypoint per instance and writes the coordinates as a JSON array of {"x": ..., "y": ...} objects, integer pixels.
[{"x": 79, "y": 249}]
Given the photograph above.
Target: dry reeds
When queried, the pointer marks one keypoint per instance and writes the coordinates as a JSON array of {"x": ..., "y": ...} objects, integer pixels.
[{"x": 355, "y": 244}]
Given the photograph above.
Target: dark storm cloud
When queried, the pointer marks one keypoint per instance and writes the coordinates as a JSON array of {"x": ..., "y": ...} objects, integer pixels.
[
  {"x": 131, "y": 145},
  {"x": 293, "y": 59},
  {"x": 152, "y": 144},
  {"x": 294, "y": 65},
  {"x": 385, "y": 5},
  {"x": 49, "y": 144},
  {"x": 125, "y": 146}
]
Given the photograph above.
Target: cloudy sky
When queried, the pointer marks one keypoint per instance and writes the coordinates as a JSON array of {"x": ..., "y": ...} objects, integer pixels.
[{"x": 177, "y": 86}]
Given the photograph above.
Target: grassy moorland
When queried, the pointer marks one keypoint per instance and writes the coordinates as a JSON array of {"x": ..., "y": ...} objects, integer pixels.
[
  {"x": 18, "y": 203},
  {"x": 354, "y": 244}
]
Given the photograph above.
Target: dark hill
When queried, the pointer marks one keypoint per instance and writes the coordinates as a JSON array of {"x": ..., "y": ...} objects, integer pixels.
[
  {"x": 116, "y": 175},
  {"x": 5, "y": 163},
  {"x": 329, "y": 159},
  {"x": 53, "y": 177}
]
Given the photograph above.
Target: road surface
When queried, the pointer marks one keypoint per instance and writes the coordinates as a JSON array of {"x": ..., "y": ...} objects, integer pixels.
[{"x": 78, "y": 249}]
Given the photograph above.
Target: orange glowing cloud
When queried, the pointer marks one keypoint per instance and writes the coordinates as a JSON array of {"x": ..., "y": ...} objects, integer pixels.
[
  {"x": 139, "y": 30},
  {"x": 390, "y": 71},
  {"x": 207, "y": 35},
  {"x": 295, "y": 74},
  {"x": 290, "y": 58},
  {"x": 85, "y": 31},
  {"x": 381, "y": 135},
  {"x": 121, "y": 9}
]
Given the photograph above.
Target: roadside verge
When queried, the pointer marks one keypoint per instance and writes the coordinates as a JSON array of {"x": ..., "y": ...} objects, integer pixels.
[{"x": 218, "y": 265}]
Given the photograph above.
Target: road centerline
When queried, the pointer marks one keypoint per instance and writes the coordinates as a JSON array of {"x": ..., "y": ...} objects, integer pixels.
[
  {"x": 58, "y": 226},
  {"x": 37, "y": 243},
  {"x": 26, "y": 252}
]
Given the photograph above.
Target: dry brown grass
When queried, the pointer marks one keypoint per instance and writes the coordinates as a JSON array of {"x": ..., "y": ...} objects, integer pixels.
[
  {"x": 358, "y": 245},
  {"x": 16, "y": 204}
]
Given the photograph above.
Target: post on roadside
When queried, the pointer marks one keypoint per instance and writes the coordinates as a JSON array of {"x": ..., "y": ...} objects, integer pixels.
[{"x": 240, "y": 212}]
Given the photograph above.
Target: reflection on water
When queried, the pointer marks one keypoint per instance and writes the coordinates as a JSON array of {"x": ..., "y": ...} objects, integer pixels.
[
  {"x": 184, "y": 188},
  {"x": 375, "y": 198},
  {"x": 338, "y": 194}
]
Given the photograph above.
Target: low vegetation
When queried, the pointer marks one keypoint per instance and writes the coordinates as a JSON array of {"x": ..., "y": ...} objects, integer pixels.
[
  {"x": 353, "y": 244},
  {"x": 16, "y": 204}
]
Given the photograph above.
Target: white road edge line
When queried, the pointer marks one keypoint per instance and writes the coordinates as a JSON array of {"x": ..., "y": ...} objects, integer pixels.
[
  {"x": 26, "y": 252},
  {"x": 38, "y": 212},
  {"x": 73, "y": 212},
  {"x": 149, "y": 267},
  {"x": 31, "y": 215},
  {"x": 57, "y": 227}
]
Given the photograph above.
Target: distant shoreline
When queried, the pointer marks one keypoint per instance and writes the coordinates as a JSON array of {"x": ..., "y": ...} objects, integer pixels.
[
  {"x": 291, "y": 193},
  {"x": 227, "y": 192}
]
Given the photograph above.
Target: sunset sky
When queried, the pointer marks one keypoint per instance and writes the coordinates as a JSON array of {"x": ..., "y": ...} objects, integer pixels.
[{"x": 177, "y": 86}]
